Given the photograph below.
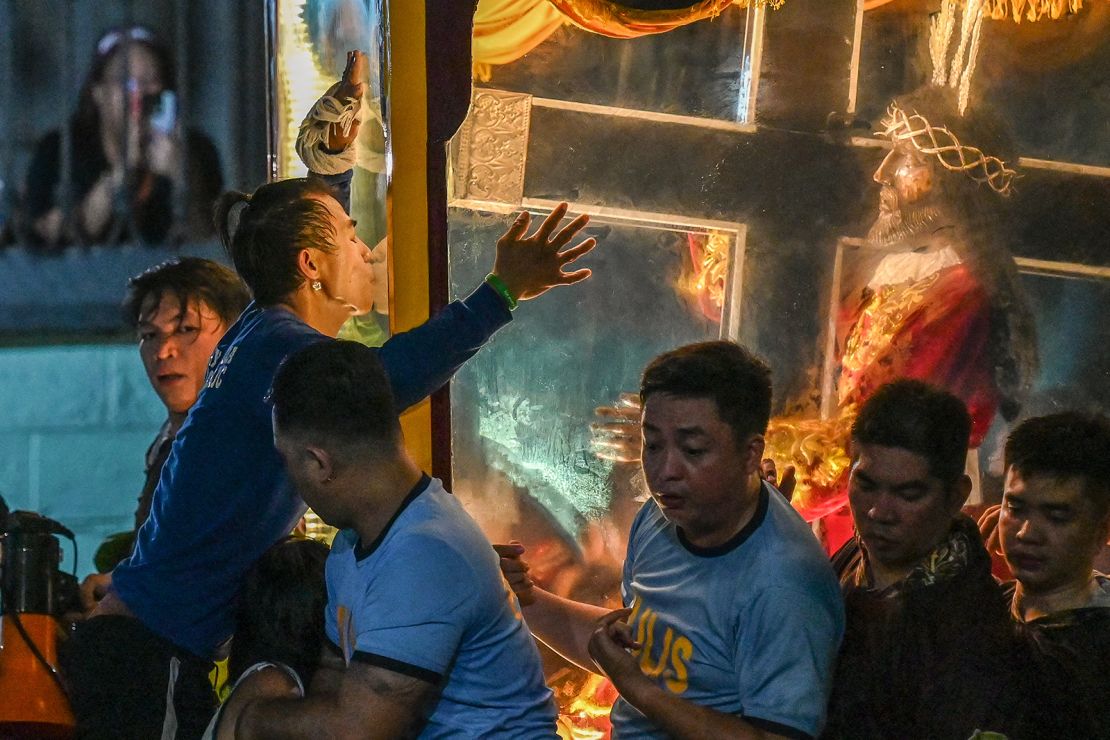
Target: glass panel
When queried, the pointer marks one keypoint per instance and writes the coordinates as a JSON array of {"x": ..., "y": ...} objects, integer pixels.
[
  {"x": 312, "y": 38},
  {"x": 695, "y": 70},
  {"x": 987, "y": 276}
]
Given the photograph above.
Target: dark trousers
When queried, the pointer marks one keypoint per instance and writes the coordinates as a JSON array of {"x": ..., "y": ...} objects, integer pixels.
[{"x": 126, "y": 682}]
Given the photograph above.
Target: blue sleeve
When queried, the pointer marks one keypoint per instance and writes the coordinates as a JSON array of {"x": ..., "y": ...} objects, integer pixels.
[
  {"x": 413, "y": 618},
  {"x": 340, "y": 185},
  {"x": 423, "y": 359},
  {"x": 785, "y": 654}
]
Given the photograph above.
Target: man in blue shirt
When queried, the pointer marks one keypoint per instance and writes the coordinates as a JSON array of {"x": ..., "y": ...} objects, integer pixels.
[
  {"x": 138, "y": 667},
  {"x": 428, "y": 639},
  {"x": 733, "y": 613}
]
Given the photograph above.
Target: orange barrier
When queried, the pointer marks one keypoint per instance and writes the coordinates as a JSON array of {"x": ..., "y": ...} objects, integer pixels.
[{"x": 32, "y": 705}]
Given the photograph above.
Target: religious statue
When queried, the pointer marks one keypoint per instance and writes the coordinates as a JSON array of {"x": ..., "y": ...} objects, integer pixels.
[{"x": 942, "y": 304}]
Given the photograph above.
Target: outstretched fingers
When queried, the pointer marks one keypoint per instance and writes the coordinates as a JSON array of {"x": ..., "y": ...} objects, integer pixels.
[
  {"x": 570, "y": 255},
  {"x": 544, "y": 232},
  {"x": 517, "y": 229},
  {"x": 568, "y": 232}
]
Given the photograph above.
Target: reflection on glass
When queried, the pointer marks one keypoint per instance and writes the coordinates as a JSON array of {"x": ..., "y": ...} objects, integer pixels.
[
  {"x": 940, "y": 250},
  {"x": 312, "y": 38},
  {"x": 524, "y": 462}
]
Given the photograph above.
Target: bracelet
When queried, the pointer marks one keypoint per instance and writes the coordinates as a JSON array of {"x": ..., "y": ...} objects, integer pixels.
[{"x": 502, "y": 290}]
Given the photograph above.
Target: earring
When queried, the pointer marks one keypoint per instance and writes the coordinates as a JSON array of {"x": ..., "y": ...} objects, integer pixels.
[{"x": 317, "y": 285}]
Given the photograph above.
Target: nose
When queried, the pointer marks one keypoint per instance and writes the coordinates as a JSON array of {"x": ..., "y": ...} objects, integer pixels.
[
  {"x": 166, "y": 347},
  {"x": 670, "y": 469},
  {"x": 1027, "y": 532},
  {"x": 880, "y": 509},
  {"x": 886, "y": 167}
]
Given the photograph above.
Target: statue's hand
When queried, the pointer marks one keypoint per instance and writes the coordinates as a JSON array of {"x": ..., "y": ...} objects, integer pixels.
[{"x": 616, "y": 435}]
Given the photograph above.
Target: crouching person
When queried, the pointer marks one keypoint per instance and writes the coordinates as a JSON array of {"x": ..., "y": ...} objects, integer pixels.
[
  {"x": 426, "y": 639},
  {"x": 733, "y": 613}
]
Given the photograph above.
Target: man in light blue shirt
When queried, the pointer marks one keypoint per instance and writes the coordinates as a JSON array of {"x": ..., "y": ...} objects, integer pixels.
[
  {"x": 427, "y": 639},
  {"x": 732, "y": 614}
]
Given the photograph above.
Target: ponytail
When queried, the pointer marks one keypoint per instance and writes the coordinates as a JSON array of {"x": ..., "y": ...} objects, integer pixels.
[{"x": 275, "y": 223}]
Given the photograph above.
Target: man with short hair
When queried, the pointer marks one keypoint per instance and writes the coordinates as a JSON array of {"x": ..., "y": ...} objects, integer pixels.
[
  {"x": 733, "y": 613},
  {"x": 928, "y": 649},
  {"x": 429, "y": 639},
  {"x": 180, "y": 310},
  {"x": 1055, "y": 518}
]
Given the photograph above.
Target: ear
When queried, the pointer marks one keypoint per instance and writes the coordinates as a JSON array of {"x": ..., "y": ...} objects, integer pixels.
[
  {"x": 961, "y": 489},
  {"x": 320, "y": 465},
  {"x": 753, "y": 453},
  {"x": 308, "y": 265}
]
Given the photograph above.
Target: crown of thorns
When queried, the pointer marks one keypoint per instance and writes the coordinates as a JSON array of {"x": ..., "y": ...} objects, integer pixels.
[{"x": 943, "y": 144}]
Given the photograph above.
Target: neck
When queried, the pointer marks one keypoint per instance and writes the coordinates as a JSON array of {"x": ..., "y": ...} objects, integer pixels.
[
  {"x": 884, "y": 576},
  {"x": 388, "y": 486},
  {"x": 176, "y": 419},
  {"x": 316, "y": 309},
  {"x": 731, "y": 525},
  {"x": 1032, "y": 605}
]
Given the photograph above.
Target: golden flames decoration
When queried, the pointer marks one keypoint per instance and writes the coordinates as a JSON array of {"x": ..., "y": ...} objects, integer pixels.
[
  {"x": 1032, "y": 10},
  {"x": 818, "y": 448},
  {"x": 1018, "y": 10}
]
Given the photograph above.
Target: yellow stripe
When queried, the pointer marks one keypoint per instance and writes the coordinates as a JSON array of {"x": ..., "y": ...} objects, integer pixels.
[{"x": 408, "y": 187}]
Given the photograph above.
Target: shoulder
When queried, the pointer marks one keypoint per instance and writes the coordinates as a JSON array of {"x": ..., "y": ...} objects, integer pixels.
[
  {"x": 789, "y": 561},
  {"x": 648, "y": 523},
  {"x": 437, "y": 530}
]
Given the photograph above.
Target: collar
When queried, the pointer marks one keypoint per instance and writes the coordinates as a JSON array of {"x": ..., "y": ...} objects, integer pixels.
[
  {"x": 945, "y": 562},
  {"x": 362, "y": 552},
  {"x": 737, "y": 539}
]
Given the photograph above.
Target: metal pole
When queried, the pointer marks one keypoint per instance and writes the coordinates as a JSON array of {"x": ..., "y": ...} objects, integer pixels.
[{"x": 273, "y": 117}]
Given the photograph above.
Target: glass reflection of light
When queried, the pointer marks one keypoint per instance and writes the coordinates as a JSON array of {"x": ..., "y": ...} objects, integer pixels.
[{"x": 302, "y": 82}]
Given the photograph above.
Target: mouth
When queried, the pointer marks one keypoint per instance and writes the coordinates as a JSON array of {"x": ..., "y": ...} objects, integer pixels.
[
  {"x": 669, "y": 501},
  {"x": 878, "y": 541},
  {"x": 170, "y": 378},
  {"x": 1020, "y": 561}
]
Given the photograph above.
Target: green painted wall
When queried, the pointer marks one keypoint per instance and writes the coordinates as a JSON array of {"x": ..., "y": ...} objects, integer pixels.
[{"x": 75, "y": 422}]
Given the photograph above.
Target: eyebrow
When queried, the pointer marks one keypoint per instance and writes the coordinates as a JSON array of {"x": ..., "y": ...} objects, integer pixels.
[
  {"x": 176, "y": 318},
  {"x": 907, "y": 486},
  {"x": 690, "y": 431}
]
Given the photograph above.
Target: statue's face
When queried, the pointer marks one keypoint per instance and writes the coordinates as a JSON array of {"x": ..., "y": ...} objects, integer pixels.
[{"x": 907, "y": 207}]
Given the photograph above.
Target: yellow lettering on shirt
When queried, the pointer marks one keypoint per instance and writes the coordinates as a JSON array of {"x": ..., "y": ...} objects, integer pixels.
[
  {"x": 670, "y": 662},
  {"x": 681, "y": 652}
]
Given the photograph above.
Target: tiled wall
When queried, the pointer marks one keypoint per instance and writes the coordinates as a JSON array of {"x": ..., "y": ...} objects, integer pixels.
[{"x": 75, "y": 422}]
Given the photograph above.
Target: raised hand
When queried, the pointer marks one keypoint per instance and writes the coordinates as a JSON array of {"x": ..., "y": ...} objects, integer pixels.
[
  {"x": 616, "y": 434},
  {"x": 531, "y": 265},
  {"x": 351, "y": 87}
]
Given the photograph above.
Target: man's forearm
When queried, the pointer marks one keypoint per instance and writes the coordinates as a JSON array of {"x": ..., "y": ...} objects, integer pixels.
[
  {"x": 564, "y": 626},
  {"x": 681, "y": 719},
  {"x": 288, "y": 718}
]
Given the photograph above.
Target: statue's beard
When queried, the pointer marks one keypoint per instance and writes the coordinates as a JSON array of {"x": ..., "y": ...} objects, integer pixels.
[{"x": 898, "y": 223}]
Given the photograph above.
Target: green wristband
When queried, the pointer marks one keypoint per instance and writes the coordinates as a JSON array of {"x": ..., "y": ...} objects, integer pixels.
[{"x": 502, "y": 290}]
